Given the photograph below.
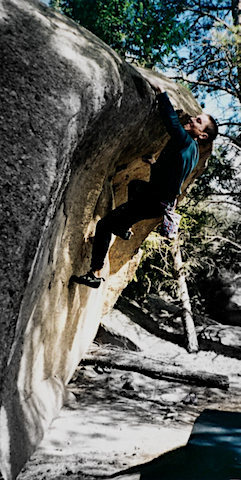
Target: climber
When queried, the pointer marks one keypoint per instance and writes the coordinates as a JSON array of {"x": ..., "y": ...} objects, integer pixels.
[{"x": 157, "y": 197}]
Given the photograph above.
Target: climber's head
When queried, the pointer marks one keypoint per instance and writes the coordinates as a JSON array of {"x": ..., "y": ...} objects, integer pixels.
[{"x": 202, "y": 128}]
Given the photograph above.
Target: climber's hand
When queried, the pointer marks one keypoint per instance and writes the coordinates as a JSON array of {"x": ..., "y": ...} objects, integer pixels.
[{"x": 156, "y": 84}]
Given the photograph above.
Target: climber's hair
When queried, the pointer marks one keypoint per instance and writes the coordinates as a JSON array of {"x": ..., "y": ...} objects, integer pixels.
[{"x": 211, "y": 130}]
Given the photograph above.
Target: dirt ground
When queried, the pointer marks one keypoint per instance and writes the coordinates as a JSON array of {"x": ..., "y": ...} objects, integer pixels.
[{"x": 117, "y": 419}]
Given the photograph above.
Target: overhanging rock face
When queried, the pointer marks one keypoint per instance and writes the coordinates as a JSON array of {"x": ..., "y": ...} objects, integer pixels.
[{"x": 75, "y": 121}]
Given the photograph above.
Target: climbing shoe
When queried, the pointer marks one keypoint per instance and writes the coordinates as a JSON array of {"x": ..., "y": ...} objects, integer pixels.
[
  {"x": 89, "y": 279},
  {"x": 124, "y": 234}
]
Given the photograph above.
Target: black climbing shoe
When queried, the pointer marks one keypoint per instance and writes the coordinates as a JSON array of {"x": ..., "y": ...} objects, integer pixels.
[
  {"x": 124, "y": 234},
  {"x": 89, "y": 279}
]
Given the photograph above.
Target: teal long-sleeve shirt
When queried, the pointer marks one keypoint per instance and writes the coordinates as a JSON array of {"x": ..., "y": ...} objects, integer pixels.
[{"x": 177, "y": 159}]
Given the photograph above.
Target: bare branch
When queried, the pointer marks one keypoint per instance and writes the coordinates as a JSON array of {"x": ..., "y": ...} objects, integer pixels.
[
  {"x": 227, "y": 193},
  {"x": 224, "y": 201},
  {"x": 211, "y": 7},
  {"x": 207, "y": 84},
  {"x": 222, "y": 239},
  {"x": 205, "y": 65},
  {"x": 235, "y": 141},
  {"x": 205, "y": 13},
  {"x": 167, "y": 274},
  {"x": 230, "y": 124}
]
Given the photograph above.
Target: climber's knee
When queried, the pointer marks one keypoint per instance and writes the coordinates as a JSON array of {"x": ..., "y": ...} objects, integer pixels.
[
  {"x": 135, "y": 188},
  {"x": 102, "y": 225}
]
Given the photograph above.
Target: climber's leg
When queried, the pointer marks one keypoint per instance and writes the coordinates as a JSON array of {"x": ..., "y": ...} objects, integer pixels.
[
  {"x": 101, "y": 244},
  {"x": 118, "y": 222},
  {"x": 137, "y": 188},
  {"x": 100, "y": 248},
  {"x": 104, "y": 229},
  {"x": 131, "y": 212},
  {"x": 142, "y": 204}
]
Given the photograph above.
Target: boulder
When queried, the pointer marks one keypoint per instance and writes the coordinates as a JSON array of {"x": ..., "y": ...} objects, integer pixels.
[{"x": 75, "y": 121}]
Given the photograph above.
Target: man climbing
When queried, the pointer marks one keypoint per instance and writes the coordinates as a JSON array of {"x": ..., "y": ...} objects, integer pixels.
[{"x": 157, "y": 197}]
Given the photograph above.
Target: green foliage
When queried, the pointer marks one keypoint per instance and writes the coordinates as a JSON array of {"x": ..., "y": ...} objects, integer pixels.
[
  {"x": 155, "y": 271},
  {"x": 144, "y": 31},
  {"x": 199, "y": 40},
  {"x": 221, "y": 178},
  {"x": 210, "y": 245}
]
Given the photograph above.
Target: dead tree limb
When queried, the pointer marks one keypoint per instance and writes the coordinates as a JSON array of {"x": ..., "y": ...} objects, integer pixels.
[
  {"x": 131, "y": 361},
  {"x": 187, "y": 319}
]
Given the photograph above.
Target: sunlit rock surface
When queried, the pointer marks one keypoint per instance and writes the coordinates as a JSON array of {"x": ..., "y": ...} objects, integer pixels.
[{"x": 75, "y": 121}]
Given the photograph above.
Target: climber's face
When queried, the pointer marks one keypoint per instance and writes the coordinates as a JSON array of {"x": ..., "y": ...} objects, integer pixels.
[{"x": 197, "y": 125}]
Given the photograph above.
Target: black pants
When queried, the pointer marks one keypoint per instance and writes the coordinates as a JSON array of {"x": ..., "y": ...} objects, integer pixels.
[{"x": 143, "y": 203}]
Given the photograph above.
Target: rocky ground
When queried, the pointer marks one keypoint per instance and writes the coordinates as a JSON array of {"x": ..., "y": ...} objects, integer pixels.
[{"x": 117, "y": 418}]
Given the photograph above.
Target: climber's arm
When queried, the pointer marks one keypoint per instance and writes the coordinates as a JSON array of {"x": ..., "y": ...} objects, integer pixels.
[
  {"x": 171, "y": 120},
  {"x": 169, "y": 116},
  {"x": 155, "y": 84}
]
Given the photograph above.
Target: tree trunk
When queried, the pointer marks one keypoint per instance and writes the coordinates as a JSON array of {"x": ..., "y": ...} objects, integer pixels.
[
  {"x": 187, "y": 319},
  {"x": 236, "y": 13},
  {"x": 120, "y": 359}
]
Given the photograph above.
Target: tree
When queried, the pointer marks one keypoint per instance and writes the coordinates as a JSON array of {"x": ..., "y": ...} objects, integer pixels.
[
  {"x": 143, "y": 31},
  {"x": 210, "y": 65},
  {"x": 199, "y": 39},
  {"x": 211, "y": 61}
]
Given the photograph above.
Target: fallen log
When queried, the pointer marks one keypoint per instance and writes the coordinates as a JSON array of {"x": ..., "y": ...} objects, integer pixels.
[{"x": 153, "y": 368}]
